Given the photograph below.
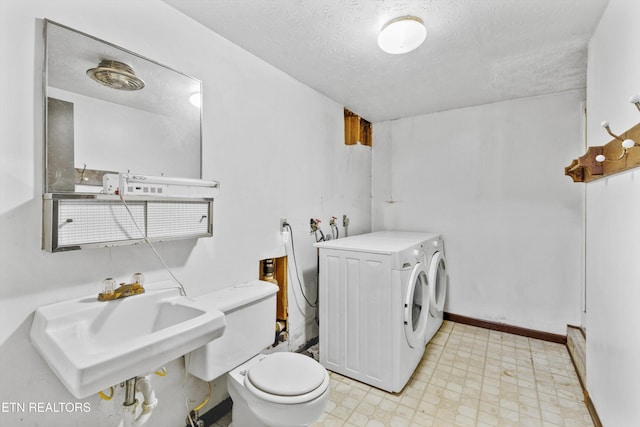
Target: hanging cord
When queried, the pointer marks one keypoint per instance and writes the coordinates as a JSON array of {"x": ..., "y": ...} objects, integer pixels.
[
  {"x": 192, "y": 414},
  {"x": 183, "y": 291},
  {"x": 295, "y": 263},
  {"x": 187, "y": 362}
]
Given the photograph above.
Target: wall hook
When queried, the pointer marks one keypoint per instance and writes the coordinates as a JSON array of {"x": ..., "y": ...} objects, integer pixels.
[
  {"x": 605, "y": 125},
  {"x": 601, "y": 157},
  {"x": 635, "y": 99}
]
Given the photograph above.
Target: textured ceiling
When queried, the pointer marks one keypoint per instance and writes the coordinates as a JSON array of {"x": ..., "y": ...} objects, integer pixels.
[{"x": 476, "y": 52}]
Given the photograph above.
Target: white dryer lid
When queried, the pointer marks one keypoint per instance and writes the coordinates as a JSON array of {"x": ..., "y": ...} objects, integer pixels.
[{"x": 287, "y": 374}]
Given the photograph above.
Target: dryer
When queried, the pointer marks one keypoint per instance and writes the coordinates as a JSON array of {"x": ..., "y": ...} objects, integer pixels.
[
  {"x": 438, "y": 281},
  {"x": 381, "y": 299}
]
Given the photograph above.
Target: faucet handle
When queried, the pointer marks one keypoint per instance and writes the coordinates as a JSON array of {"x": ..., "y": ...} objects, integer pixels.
[
  {"x": 108, "y": 286},
  {"x": 137, "y": 278}
]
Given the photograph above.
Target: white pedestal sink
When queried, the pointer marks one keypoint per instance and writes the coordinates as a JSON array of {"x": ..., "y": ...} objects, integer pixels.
[{"x": 92, "y": 345}]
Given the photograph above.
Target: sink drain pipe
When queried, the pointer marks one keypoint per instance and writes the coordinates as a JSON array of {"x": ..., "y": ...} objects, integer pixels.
[
  {"x": 130, "y": 418},
  {"x": 130, "y": 392}
]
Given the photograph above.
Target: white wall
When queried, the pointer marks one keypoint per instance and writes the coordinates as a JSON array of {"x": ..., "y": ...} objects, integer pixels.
[
  {"x": 275, "y": 145},
  {"x": 490, "y": 179},
  {"x": 613, "y": 207}
]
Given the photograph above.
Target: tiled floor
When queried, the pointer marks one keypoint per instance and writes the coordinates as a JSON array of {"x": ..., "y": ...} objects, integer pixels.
[{"x": 469, "y": 376}]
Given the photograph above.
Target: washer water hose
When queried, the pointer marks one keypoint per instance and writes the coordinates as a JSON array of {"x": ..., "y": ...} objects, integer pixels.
[
  {"x": 345, "y": 224},
  {"x": 129, "y": 418}
]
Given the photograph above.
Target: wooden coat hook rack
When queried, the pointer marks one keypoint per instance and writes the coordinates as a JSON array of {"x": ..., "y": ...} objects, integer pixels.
[{"x": 620, "y": 154}]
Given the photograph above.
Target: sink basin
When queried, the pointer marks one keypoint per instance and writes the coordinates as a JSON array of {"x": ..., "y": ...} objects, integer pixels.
[{"x": 92, "y": 345}]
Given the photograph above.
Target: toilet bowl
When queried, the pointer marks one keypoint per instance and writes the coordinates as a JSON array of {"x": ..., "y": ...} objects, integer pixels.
[{"x": 278, "y": 390}]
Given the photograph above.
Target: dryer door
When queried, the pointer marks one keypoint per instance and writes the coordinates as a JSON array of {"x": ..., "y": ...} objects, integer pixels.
[
  {"x": 438, "y": 281},
  {"x": 416, "y": 306}
]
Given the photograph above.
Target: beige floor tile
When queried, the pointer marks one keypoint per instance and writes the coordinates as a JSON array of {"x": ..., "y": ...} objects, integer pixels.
[
  {"x": 358, "y": 419},
  {"x": 367, "y": 408}
]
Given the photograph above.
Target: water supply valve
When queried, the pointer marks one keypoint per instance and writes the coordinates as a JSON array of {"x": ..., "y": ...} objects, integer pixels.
[
  {"x": 345, "y": 224},
  {"x": 334, "y": 228},
  {"x": 315, "y": 224}
]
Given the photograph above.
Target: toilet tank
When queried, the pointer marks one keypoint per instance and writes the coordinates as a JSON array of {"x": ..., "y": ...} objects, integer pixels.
[{"x": 250, "y": 315}]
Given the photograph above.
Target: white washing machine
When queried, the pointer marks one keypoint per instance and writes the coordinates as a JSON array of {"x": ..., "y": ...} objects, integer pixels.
[{"x": 381, "y": 300}]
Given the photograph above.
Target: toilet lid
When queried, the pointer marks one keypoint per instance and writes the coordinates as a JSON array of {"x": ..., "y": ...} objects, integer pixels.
[{"x": 287, "y": 374}]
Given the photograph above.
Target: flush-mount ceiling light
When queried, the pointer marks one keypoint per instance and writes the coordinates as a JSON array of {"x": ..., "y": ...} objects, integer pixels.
[
  {"x": 402, "y": 35},
  {"x": 116, "y": 75}
]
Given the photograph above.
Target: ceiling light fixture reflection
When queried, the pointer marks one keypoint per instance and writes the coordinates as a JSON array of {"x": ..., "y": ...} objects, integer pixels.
[
  {"x": 116, "y": 75},
  {"x": 402, "y": 35},
  {"x": 195, "y": 100}
]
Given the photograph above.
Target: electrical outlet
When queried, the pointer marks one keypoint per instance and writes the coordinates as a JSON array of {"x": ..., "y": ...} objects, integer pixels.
[{"x": 283, "y": 221}]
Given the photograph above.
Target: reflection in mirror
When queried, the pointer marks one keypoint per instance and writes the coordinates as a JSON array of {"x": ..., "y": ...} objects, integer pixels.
[{"x": 109, "y": 110}]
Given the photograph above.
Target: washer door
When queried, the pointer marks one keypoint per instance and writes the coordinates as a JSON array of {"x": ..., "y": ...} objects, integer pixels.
[
  {"x": 416, "y": 306},
  {"x": 438, "y": 280}
]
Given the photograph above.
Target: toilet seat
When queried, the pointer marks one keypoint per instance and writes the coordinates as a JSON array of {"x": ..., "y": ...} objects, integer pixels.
[{"x": 287, "y": 378}]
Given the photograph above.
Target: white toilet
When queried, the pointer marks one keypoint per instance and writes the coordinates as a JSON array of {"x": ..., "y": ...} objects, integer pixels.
[{"x": 277, "y": 390}]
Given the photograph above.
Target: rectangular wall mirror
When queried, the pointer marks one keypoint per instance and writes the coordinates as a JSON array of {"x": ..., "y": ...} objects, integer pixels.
[{"x": 108, "y": 110}]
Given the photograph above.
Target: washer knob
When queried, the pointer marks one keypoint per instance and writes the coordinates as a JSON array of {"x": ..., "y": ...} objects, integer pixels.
[
  {"x": 436, "y": 243},
  {"x": 417, "y": 253}
]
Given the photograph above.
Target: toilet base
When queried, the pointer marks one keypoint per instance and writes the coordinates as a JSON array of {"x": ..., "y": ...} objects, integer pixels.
[{"x": 242, "y": 416}]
